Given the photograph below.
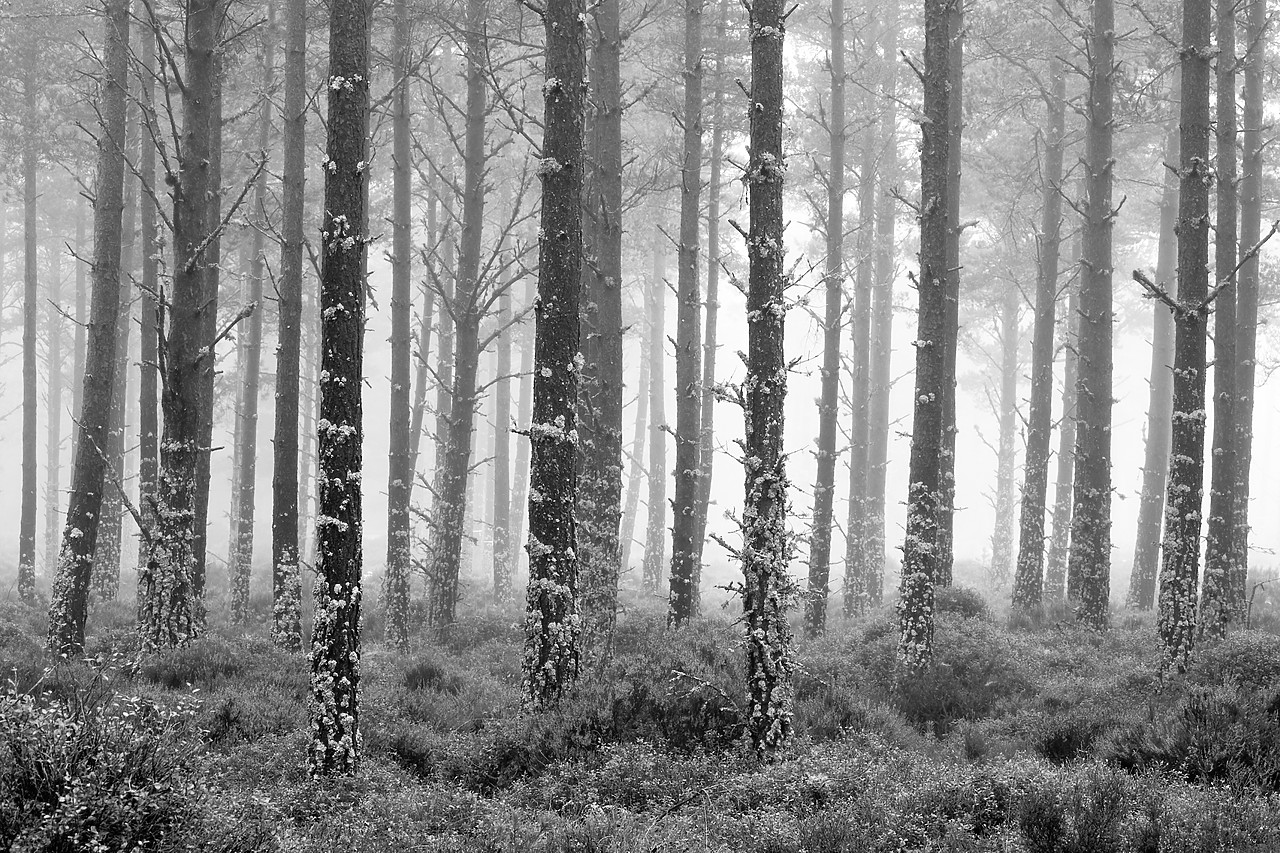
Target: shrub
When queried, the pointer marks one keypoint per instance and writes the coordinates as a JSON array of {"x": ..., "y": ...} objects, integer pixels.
[
  {"x": 1084, "y": 817},
  {"x": 205, "y": 663},
  {"x": 1249, "y": 660},
  {"x": 962, "y": 601},
  {"x": 432, "y": 673}
]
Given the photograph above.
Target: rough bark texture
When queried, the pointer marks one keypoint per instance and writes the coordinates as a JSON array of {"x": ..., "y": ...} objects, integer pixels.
[
  {"x": 1179, "y": 571},
  {"x": 655, "y": 528},
  {"x": 75, "y": 560},
  {"x": 30, "y": 314},
  {"x": 1055, "y": 561},
  {"x": 1089, "y": 563},
  {"x": 824, "y": 485},
  {"x": 552, "y": 623},
  {"x": 1028, "y": 582},
  {"x": 920, "y": 553},
  {"x": 286, "y": 578},
  {"x": 335, "y": 641}
]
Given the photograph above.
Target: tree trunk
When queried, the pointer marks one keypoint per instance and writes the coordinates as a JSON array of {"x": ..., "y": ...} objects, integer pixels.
[
  {"x": 1089, "y": 562},
  {"x": 551, "y": 624},
  {"x": 685, "y": 572},
  {"x": 444, "y": 390},
  {"x": 53, "y": 406},
  {"x": 149, "y": 333},
  {"x": 1002, "y": 536},
  {"x": 655, "y": 527},
  {"x": 520, "y": 492},
  {"x": 824, "y": 486},
  {"x": 1028, "y": 583},
  {"x": 335, "y": 644},
  {"x": 82, "y": 310},
  {"x": 1055, "y": 569},
  {"x": 1220, "y": 556},
  {"x": 30, "y": 313},
  {"x": 1155, "y": 468},
  {"x": 636, "y": 477},
  {"x": 395, "y": 592},
  {"x": 1179, "y": 571},
  {"x": 920, "y": 563},
  {"x": 502, "y": 457},
  {"x": 70, "y": 603}
]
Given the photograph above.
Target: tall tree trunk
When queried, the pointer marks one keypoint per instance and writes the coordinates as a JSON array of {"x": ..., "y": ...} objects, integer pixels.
[
  {"x": 286, "y": 577},
  {"x": 1155, "y": 468},
  {"x": 1002, "y": 536},
  {"x": 1055, "y": 561},
  {"x": 1220, "y": 556},
  {"x": 768, "y": 590},
  {"x": 335, "y": 643},
  {"x": 30, "y": 313},
  {"x": 502, "y": 456},
  {"x": 444, "y": 377},
  {"x": 520, "y": 492},
  {"x": 82, "y": 308},
  {"x": 685, "y": 572},
  {"x": 70, "y": 603},
  {"x": 395, "y": 592},
  {"x": 1089, "y": 562},
  {"x": 149, "y": 333},
  {"x": 824, "y": 485},
  {"x": 920, "y": 554},
  {"x": 1028, "y": 583},
  {"x": 242, "y": 556},
  {"x": 53, "y": 406},
  {"x": 1176, "y": 618},
  {"x": 551, "y": 624},
  {"x": 636, "y": 476},
  {"x": 655, "y": 527}
]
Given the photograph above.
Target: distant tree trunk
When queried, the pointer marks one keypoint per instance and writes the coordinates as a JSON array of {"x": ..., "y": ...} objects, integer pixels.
[
  {"x": 82, "y": 309},
  {"x": 685, "y": 572},
  {"x": 551, "y": 624},
  {"x": 242, "y": 556},
  {"x": 1220, "y": 557},
  {"x": 882, "y": 319},
  {"x": 30, "y": 313},
  {"x": 53, "y": 406},
  {"x": 636, "y": 476},
  {"x": 1028, "y": 583},
  {"x": 149, "y": 333},
  {"x": 655, "y": 528},
  {"x": 1155, "y": 468},
  {"x": 947, "y": 456},
  {"x": 70, "y": 603},
  {"x": 286, "y": 577},
  {"x": 422, "y": 377},
  {"x": 1055, "y": 568},
  {"x": 1176, "y": 617},
  {"x": 444, "y": 389},
  {"x": 920, "y": 553},
  {"x": 1089, "y": 562},
  {"x": 824, "y": 485},
  {"x": 1006, "y": 461},
  {"x": 502, "y": 457},
  {"x": 335, "y": 644},
  {"x": 169, "y": 615},
  {"x": 520, "y": 492},
  {"x": 1247, "y": 284},
  {"x": 395, "y": 592},
  {"x": 768, "y": 590}
]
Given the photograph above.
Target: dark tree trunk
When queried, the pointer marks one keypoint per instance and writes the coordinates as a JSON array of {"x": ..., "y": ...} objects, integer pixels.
[
  {"x": 636, "y": 476},
  {"x": 767, "y": 590},
  {"x": 1055, "y": 561},
  {"x": 1220, "y": 555},
  {"x": 82, "y": 309},
  {"x": 655, "y": 527},
  {"x": 502, "y": 457},
  {"x": 149, "y": 333},
  {"x": 30, "y": 314},
  {"x": 684, "y": 506},
  {"x": 1028, "y": 583},
  {"x": 335, "y": 643},
  {"x": 395, "y": 592},
  {"x": 1176, "y": 618},
  {"x": 1089, "y": 562},
  {"x": 824, "y": 486},
  {"x": 286, "y": 578},
  {"x": 920, "y": 553},
  {"x": 551, "y": 624},
  {"x": 1006, "y": 452},
  {"x": 88, "y": 478},
  {"x": 53, "y": 408},
  {"x": 1155, "y": 468}
]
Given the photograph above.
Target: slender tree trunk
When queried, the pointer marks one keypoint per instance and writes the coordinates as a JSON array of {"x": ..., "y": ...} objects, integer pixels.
[
  {"x": 824, "y": 486},
  {"x": 395, "y": 593},
  {"x": 444, "y": 390},
  {"x": 1055, "y": 569},
  {"x": 1155, "y": 468},
  {"x": 1002, "y": 537},
  {"x": 335, "y": 644},
  {"x": 684, "y": 506},
  {"x": 53, "y": 406},
  {"x": 636, "y": 477},
  {"x": 1028, "y": 584},
  {"x": 920, "y": 554},
  {"x": 502, "y": 580},
  {"x": 551, "y": 625},
  {"x": 149, "y": 333},
  {"x": 75, "y": 562},
  {"x": 82, "y": 310},
  {"x": 30, "y": 314},
  {"x": 655, "y": 528},
  {"x": 520, "y": 492}
]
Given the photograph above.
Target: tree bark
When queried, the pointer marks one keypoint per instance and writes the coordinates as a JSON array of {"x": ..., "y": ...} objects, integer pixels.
[
  {"x": 30, "y": 314},
  {"x": 75, "y": 561},
  {"x": 53, "y": 408},
  {"x": 1006, "y": 452},
  {"x": 655, "y": 528},
  {"x": 149, "y": 333},
  {"x": 502, "y": 457},
  {"x": 551, "y": 623},
  {"x": 82, "y": 310},
  {"x": 1179, "y": 571},
  {"x": 1055, "y": 569},
  {"x": 636, "y": 476}
]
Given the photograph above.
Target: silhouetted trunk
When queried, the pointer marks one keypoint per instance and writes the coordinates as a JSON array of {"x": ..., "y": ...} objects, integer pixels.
[
  {"x": 824, "y": 485},
  {"x": 395, "y": 591},
  {"x": 1006, "y": 453},
  {"x": 1055, "y": 562},
  {"x": 636, "y": 476},
  {"x": 1028, "y": 583},
  {"x": 30, "y": 313},
  {"x": 1221, "y": 559},
  {"x": 335, "y": 644},
  {"x": 1089, "y": 562},
  {"x": 149, "y": 333},
  {"x": 444, "y": 389},
  {"x": 551, "y": 641},
  {"x": 655, "y": 527},
  {"x": 1155, "y": 468},
  {"x": 82, "y": 307},
  {"x": 502, "y": 456},
  {"x": 521, "y": 489},
  {"x": 286, "y": 577},
  {"x": 1179, "y": 572},
  {"x": 88, "y": 478},
  {"x": 684, "y": 604},
  {"x": 53, "y": 408}
]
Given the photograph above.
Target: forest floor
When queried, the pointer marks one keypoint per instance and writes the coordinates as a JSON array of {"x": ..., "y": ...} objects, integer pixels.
[{"x": 1044, "y": 739}]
